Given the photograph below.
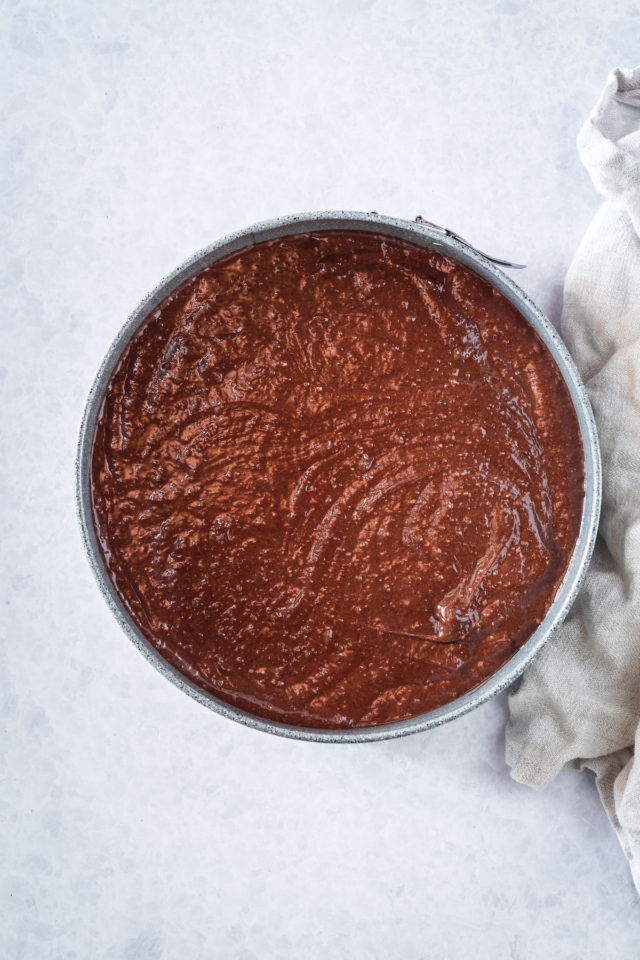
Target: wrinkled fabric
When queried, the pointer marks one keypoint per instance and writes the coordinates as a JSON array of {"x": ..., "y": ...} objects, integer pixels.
[{"x": 579, "y": 702}]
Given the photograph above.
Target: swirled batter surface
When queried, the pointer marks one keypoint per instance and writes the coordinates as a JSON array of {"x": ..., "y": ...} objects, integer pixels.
[{"x": 337, "y": 479}]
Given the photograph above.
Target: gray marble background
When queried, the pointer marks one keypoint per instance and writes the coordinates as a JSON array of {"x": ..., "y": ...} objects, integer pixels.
[{"x": 133, "y": 822}]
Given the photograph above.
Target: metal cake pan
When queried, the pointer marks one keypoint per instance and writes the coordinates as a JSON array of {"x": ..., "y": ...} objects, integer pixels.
[{"x": 431, "y": 238}]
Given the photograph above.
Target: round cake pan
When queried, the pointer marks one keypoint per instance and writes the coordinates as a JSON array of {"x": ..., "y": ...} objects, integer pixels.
[{"x": 431, "y": 238}]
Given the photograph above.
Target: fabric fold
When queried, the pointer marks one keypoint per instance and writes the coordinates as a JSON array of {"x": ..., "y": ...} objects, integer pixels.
[{"x": 579, "y": 702}]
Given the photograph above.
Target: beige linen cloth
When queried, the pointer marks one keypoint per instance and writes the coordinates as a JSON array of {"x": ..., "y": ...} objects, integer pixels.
[{"x": 579, "y": 702}]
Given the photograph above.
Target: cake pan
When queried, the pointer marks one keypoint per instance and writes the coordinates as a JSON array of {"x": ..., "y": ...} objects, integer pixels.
[{"x": 430, "y": 237}]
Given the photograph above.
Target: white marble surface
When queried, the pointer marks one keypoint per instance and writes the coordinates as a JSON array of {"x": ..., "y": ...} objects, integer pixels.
[{"x": 133, "y": 822}]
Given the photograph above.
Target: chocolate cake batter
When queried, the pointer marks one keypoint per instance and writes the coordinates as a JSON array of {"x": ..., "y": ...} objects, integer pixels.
[{"x": 337, "y": 479}]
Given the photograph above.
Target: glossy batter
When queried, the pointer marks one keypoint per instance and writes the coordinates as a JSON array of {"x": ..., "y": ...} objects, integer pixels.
[{"x": 337, "y": 479}]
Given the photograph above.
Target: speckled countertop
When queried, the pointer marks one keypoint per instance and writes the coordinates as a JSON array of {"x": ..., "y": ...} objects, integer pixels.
[{"x": 133, "y": 822}]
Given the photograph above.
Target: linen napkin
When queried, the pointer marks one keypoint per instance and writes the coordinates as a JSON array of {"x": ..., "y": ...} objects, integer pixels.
[{"x": 579, "y": 702}]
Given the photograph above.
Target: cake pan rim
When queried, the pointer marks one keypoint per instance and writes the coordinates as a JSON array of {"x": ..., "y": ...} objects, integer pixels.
[{"x": 431, "y": 238}]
